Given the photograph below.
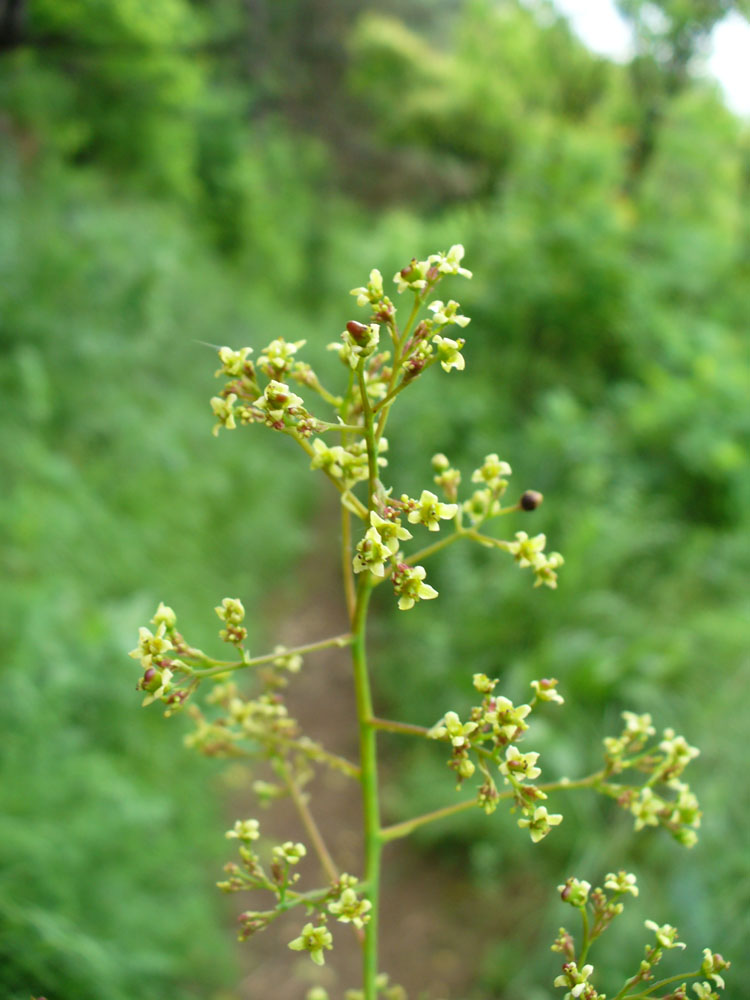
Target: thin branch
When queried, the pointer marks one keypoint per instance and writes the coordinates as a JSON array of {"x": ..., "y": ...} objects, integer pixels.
[
  {"x": 224, "y": 668},
  {"x": 408, "y": 826},
  {"x": 387, "y": 726},
  {"x": 346, "y": 563},
  {"x": 313, "y": 831}
]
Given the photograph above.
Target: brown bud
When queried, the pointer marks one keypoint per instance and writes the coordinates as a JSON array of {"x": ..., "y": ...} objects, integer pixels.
[
  {"x": 357, "y": 330},
  {"x": 530, "y": 500}
]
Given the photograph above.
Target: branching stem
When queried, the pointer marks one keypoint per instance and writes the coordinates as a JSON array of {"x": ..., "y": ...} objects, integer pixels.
[
  {"x": 388, "y": 726},
  {"x": 350, "y": 595},
  {"x": 369, "y": 769},
  {"x": 308, "y": 821},
  {"x": 221, "y": 667},
  {"x": 408, "y": 826}
]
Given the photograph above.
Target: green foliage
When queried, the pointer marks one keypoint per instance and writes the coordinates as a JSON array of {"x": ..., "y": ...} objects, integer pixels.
[
  {"x": 604, "y": 210},
  {"x": 106, "y": 852}
]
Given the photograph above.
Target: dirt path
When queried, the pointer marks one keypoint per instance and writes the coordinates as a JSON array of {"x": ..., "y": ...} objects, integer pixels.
[{"x": 429, "y": 921}]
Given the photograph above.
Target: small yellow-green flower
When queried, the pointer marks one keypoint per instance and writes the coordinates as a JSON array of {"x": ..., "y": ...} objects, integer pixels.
[
  {"x": 150, "y": 645},
  {"x": 621, "y": 882},
  {"x": 231, "y": 611},
  {"x": 481, "y": 505},
  {"x": 315, "y": 940},
  {"x": 372, "y": 292},
  {"x": 712, "y": 965},
  {"x": 493, "y": 472},
  {"x": 452, "y": 727},
  {"x": 289, "y": 853},
  {"x": 646, "y": 808},
  {"x": 223, "y": 407},
  {"x": 526, "y": 550},
  {"x": 483, "y": 683},
  {"x": 546, "y": 690},
  {"x": 449, "y": 353},
  {"x": 413, "y": 276},
  {"x": 575, "y": 891},
  {"x": 428, "y": 510},
  {"x": 360, "y": 341},
  {"x": 575, "y": 978},
  {"x": 540, "y": 823},
  {"x": 164, "y": 616},
  {"x": 245, "y": 830},
  {"x": 704, "y": 991},
  {"x": 233, "y": 362},
  {"x": 391, "y": 532},
  {"x": 371, "y": 554},
  {"x": 450, "y": 263},
  {"x": 520, "y": 765},
  {"x": 409, "y": 585},
  {"x": 330, "y": 459},
  {"x": 276, "y": 359},
  {"x": 666, "y": 934},
  {"x": 350, "y": 909},
  {"x": 447, "y": 314},
  {"x": 278, "y": 400},
  {"x": 159, "y": 685}
]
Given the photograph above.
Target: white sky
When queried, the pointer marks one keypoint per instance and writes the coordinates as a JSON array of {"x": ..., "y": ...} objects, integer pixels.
[{"x": 602, "y": 29}]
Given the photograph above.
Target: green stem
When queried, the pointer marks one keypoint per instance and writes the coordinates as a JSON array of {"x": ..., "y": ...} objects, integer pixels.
[
  {"x": 399, "y": 344},
  {"x": 666, "y": 982},
  {"x": 387, "y": 726},
  {"x": 430, "y": 550},
  {"x": 257, "y": 661},
  {"x": 372, "y": 447},
  {"x": 586, "y": 944},
  {"x": 408, "y": 826},
  {"x": 346, "y": 562},
  {"x": 487, "y": 540},
  {"x": 313, "y": 831},
  {"x": 349, "y": 428},
  {"x": 427, "y": 551},
  {"x": 369, "y": 778}
]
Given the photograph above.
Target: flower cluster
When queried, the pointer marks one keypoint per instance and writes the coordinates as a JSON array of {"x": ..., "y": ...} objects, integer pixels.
[
  {"x": 155, "y": 652},
  {"x": 485, "y": 502},
  {"x": 243, "y": 399},
  {"x": 530, "y": 552},
  {"x": 663, "y": 799},
  {"x": 340, "y": 899},
  {"x": 384, "y": 988},
  {"x": 380, "y": 544},
  {"x": 488, "y": 738},
  {"x": 598, "y": 910},
  {"x": 346, "y": 463},
  {"x": 486, "y": 745}
]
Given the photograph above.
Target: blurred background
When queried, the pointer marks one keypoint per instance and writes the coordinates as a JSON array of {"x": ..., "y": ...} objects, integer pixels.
[{"x": 181, "y": 172}]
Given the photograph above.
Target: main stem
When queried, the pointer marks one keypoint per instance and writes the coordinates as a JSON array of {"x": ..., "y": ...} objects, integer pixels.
[{"x": 369, "y": 779}]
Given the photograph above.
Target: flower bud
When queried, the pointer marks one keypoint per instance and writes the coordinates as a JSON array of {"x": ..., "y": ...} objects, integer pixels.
[
  {"x": 357, "y": 330},
  {"x": 530, "y": 500}
]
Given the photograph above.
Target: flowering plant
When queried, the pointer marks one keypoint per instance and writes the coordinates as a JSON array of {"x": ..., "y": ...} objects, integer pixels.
[{"x": 380, "y": 359}]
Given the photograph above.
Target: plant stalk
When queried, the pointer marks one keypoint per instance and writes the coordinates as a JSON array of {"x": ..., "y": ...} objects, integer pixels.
[{"x": 369, "y": 780}]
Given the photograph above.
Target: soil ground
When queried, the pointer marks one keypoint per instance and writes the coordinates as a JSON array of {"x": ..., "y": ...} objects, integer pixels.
[{"x": 430, "y": 921}]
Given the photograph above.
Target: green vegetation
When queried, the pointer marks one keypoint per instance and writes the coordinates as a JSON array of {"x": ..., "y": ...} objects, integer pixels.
[{"x": 174, "y": 173}]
